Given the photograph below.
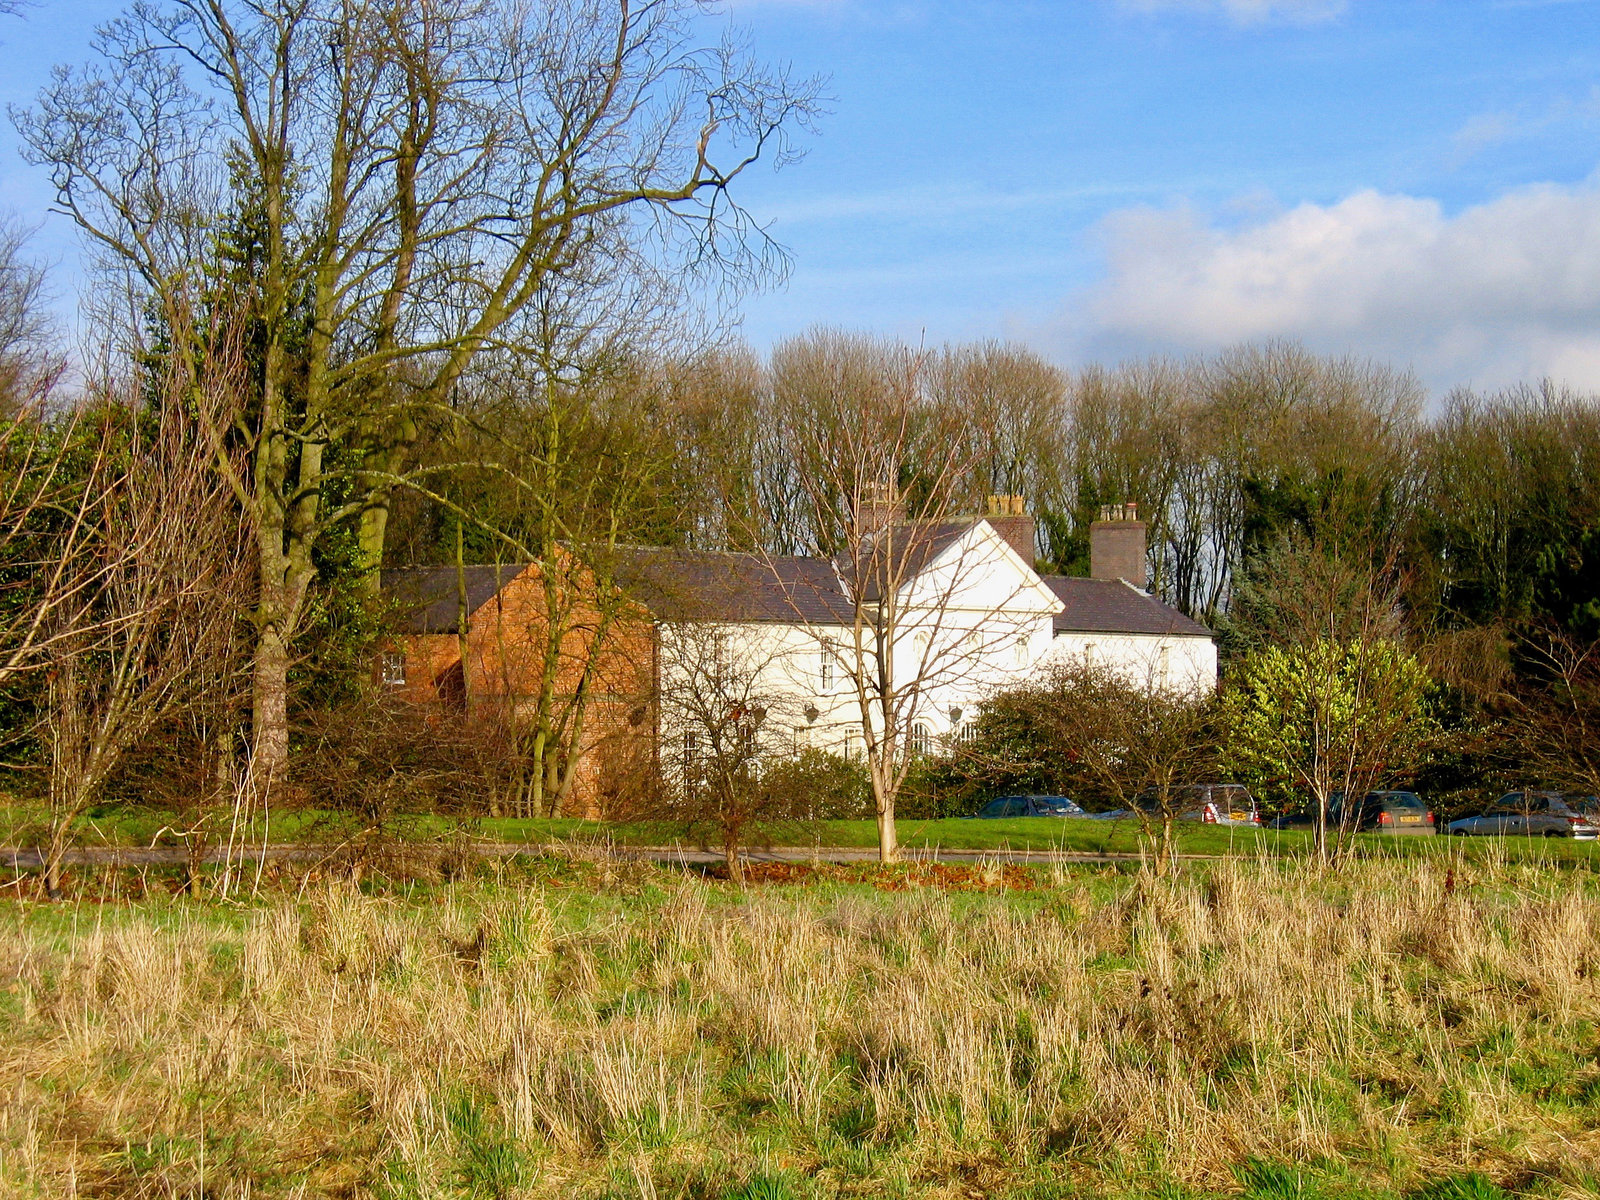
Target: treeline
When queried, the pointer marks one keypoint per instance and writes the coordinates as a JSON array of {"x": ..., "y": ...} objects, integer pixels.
[{"x": 1484, "y": 505}]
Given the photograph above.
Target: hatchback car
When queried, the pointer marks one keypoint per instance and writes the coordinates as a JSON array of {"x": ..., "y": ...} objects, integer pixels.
[
  {"x": 1030, "y": 806},
  {"x": 1384, "y": 812},
  {"x": 1208, "y": 803},
  {"x": 1531, "y": 814},
  {"x": 1378, "y": 812}
]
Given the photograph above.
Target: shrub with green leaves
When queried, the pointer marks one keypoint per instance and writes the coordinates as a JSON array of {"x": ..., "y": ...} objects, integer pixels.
[{"x": 1326, "y": 716}]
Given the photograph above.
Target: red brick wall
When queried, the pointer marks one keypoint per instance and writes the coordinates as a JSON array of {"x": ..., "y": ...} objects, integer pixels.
[{"x": 505, "y": 670}]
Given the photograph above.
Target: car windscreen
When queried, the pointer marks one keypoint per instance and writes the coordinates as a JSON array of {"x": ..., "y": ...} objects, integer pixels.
[{"x": 1055, "y": 803}]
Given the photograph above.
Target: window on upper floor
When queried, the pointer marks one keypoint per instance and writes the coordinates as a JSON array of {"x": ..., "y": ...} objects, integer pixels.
[
  {"x": 825, "y": 665},
  {"x": 974, "y": 648}
]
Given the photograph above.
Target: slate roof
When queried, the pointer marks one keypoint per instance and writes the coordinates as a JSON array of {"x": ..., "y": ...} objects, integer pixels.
[
  {"x": 900, "y": 556},
  {"x": 1112, "y": 606},
  {"x": 709, "y": 585},
  {"x": 428, "y": 595}
]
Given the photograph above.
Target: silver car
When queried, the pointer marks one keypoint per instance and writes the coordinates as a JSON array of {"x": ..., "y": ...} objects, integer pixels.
[
  {"x": 1528, "y": 814},
  {"x": 1208, "y": 803}
]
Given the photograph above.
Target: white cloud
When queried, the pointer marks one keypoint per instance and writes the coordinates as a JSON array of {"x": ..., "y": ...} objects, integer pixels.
[
  {"x": 1504, "y": 291},
  {"x": 1248, "y": 12},
  {"x": 1560, "y": 117}
]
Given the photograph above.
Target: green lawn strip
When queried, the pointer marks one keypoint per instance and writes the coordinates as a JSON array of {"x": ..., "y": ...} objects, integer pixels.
[
  {"x": 1049, "y": 833},
  {"x": 117, "y": 825}
]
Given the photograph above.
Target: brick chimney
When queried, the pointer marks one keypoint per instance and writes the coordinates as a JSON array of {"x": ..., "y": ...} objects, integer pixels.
[
  {"x": 1117, "y": 545},
  {"x": 881, "y": 508},
  {"x": 1008, "y": 516}
]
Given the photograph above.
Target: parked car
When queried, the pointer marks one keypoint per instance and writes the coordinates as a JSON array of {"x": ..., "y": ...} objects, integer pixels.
[
  {"x": 1209, "y": 803},
  {"x": 1030, "y": 806},
  {"x": 1377, "y": 812},
  {"x": 1532, "y": 814}
]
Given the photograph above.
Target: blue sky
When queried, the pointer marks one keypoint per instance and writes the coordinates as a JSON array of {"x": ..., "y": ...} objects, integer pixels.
[{"x": 1410, "y": 180}]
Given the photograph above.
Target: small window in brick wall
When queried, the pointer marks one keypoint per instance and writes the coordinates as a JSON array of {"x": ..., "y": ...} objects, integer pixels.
[{"x": 392, "y": 669}]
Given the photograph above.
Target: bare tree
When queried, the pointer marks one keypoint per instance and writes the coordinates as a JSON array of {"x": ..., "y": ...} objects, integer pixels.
[
  {"x": 166, "y": 582},
  {"x": 884, "y": 471},
  {"x": 1553, "y": 718},
  {"x": 397, "y": 180},
  {"x": 1091, "y": 731},
  {"x": 722, "y": 705},
  {"x": 31, "y": 363},
  {"x": 1011, "y": 406},
  {"x": 565, "y": 473}
]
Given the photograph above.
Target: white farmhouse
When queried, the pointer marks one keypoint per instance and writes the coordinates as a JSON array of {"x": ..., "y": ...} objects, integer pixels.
[{"x": 911, "y": 634}]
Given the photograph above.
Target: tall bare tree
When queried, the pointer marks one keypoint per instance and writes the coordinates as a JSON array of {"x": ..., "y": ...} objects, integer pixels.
[
  {"x": 399, "y": 180},
  {"x": 721, "y": 702},
  {"x": 886, "y": 473},
  {"x": 31, "y": 362},
  {"x": 166, "y": 580}
]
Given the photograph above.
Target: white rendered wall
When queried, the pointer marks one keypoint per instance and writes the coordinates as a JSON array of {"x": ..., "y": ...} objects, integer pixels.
[{"x": 1161, "y": 660}]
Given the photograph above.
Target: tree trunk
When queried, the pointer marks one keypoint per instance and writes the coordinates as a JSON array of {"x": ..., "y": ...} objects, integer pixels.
[
  {"x": 269, "y": 712},
  {"x": 371, "y": 530},
  {"x": 888, "y": 844},
  {"x": 463, "y": 615},
  {"x": 52, "y": 862}
]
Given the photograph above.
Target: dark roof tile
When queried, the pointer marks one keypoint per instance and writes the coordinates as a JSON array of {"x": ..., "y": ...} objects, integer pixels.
[
  {"x": 428, "y": 597},
  {"x": 1112, "y": 606},
  {"x": 709, "y": 585}
]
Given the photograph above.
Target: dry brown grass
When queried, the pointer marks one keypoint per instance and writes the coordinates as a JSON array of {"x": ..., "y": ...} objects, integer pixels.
[{"x": 668, "y": 1037}]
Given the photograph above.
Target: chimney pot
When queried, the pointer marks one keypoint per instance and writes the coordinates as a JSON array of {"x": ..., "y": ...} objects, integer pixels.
[
  {"x": 881, "y": 508},
  {"x": 1008, "y": 516},
  {"x": 1117, "y": 545}
]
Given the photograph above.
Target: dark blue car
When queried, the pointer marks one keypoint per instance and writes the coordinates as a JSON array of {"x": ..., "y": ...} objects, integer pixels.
[{"x": 1030, "y": 806}]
